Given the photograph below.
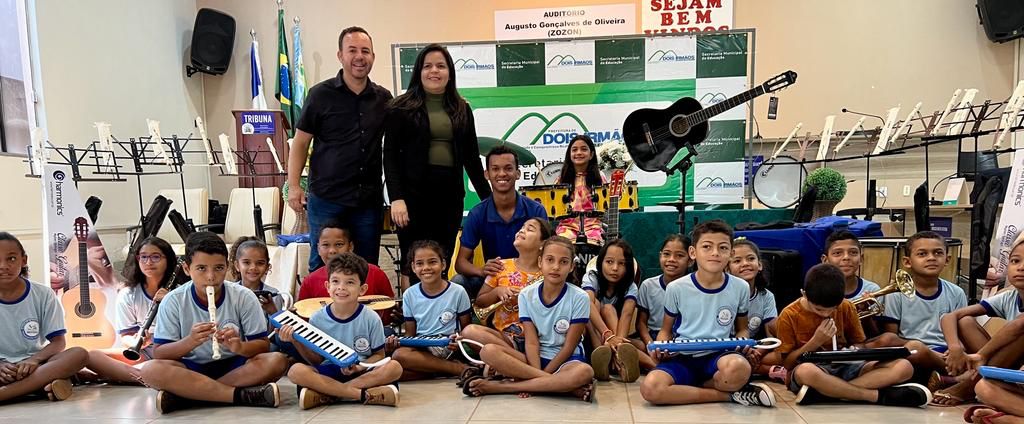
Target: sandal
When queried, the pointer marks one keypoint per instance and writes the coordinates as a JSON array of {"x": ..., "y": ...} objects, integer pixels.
[
  {"x": 467, "y": 386},
  {"x": 586, "y": 392},
  {"x": 58, "y": 390},
  {"x": 969, "y": 414},
  {"x": 600, "y": 361},
  {"x": 947, "y": 399},
  {"x": 629, "y": 358},
  {"x": 466, "y": 374}
]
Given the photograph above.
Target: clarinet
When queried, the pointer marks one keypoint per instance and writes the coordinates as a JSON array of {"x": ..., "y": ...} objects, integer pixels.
[{"x": 133, "y": 353}]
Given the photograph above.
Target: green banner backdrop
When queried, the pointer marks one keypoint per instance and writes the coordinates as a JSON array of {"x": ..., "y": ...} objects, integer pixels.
[{"x": 540, "y": 94}]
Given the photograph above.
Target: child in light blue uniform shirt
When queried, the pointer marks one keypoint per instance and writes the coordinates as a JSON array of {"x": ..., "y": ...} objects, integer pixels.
[
  {"x": 363, "y": 331},
  {"x": 553, "y": 320},
  {"x": 436, "y": 315},
  {"x": 914, "y": 322},
  {"x": 554, "y": 315},
  {"x": 434, "y": 307},
  {"x": 918, "y": 318},
  {"x": 707, "y": 304},
  {"x": 1006, "y": 305},
  {"x": 356, "y": 327},
  {"x": 236, "y": 308},
  {"x": 185, "y": 334},
  {"x": 674, "y": 260}
]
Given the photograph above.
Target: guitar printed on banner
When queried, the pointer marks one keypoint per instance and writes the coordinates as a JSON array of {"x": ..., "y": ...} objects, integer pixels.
[
  {"x": 654, "y": 136},
  {"x": 84, "y": 305}
]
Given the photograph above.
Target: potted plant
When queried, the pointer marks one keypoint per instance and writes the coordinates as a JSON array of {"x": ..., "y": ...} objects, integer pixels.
[{"x": 831, "y": 189}]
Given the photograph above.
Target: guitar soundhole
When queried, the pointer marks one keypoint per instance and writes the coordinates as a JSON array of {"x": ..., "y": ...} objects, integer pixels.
[
  {"x": 85, "y": 310},
  {"x": 678, "y": 126}
]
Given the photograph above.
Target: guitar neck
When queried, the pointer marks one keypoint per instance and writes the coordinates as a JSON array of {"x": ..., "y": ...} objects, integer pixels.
[
  {"x": 714, "y": 110},
  {"x": 613, "y": 216},
  {"x": 83, "y": 271}
]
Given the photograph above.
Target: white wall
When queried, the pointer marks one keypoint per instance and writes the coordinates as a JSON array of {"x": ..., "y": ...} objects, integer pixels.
[{"x": 119, "y": 61}]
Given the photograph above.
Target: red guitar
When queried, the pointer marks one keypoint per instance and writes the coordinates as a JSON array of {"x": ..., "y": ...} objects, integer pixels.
[
  {"x": 84, "y": 306},
  {"x": 614, "y": 193}
]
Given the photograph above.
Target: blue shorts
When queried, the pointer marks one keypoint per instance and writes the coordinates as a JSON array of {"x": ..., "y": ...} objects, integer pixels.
[
  {"x": 690, "y": 370},
  {"x": 216, "y": 369},
  {"x": 844, "y": 371},
  {"x": 939, "y": 348},
  {"x": 579, "y": 358}
]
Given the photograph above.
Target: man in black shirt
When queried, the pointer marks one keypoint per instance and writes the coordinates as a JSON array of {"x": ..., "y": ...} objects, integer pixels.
[{"x": 344, "y": 113}]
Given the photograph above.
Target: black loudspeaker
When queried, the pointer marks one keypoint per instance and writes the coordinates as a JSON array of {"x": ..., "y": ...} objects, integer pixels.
[
  {"x": 213, "y": 39},
  {"x": 1003, "y": 19},
  {"x": 784, "y": 270}
]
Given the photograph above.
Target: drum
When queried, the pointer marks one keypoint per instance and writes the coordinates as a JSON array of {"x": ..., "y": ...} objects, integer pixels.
[
  {"x": 549, "y": 174},
  {"x": 881, "y": 257},
  {"x": 776, "y": 184},
  {"x": 554, "y": 198},
  {"x": 387, "y": 225},
  {"x": 627, "y": 202}
]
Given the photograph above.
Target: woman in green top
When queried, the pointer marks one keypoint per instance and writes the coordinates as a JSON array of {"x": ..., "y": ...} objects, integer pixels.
[{"x": 429, "y": 139}]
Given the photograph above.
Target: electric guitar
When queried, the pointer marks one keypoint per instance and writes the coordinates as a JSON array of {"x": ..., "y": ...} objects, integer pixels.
[
  {"x": 84, "y": 306},
  {"x": 653, "y": 136},
  {"x": 618, "y": 180}
]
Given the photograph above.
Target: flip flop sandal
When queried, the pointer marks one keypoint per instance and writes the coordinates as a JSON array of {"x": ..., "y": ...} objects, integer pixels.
[
  {"x": 588, "y": 392},
  {"x": 969, "y": 413},
  {"x": 946, "y": 396},
  {"x": 58, "y": 390},
  {"x": 629, "y": 369},
  {"x": 600, "y": 361},
  {"x": 468, "y": 372},
  {"x": 467, "y": 386}
]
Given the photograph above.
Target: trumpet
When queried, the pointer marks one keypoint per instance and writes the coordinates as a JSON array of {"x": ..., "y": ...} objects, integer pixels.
[
  {"x": 511, "y": 305},
  {"x": 869, "y": 305}
]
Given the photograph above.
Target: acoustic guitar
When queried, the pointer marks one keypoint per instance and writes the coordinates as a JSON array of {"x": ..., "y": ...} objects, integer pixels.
[
  {"x": 84, "y": 306},
  {"x": 654, "y": 136}
]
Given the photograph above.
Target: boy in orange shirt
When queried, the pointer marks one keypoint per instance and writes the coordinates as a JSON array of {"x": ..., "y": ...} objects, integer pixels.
[{"x": 822, "y": 316}]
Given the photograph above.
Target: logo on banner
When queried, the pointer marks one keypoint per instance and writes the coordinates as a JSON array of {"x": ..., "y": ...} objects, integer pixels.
[
  {"x": 58, "y": 175},
  {"x": 670, "y": 56},
  {"x": 716, "y": 183},
  {"x": 712, "y": 98},
  {"x": 550, "y": 135},
  {"x": 560, "y": 61},
  {"x": 472, "y": 65}
]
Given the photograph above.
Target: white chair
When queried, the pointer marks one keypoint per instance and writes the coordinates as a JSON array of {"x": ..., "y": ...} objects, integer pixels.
[{"x": 240, "y": 222}]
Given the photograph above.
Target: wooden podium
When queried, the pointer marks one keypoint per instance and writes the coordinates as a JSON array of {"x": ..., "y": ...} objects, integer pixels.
[{"x": 252, "y": 127}]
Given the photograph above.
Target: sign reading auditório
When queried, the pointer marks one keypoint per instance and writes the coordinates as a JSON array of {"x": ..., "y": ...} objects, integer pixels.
[
  {"x": 565, "y": 22},
  {"x": 669, "y": 16}
]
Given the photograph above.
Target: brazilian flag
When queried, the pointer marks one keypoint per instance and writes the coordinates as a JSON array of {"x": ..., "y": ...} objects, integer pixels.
[{"x": 283, "y": 92}]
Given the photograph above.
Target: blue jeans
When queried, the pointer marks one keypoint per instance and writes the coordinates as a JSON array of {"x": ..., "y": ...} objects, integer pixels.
[
  {"x": 471, "y": 284},
  {"x": 364, "y": 223}
]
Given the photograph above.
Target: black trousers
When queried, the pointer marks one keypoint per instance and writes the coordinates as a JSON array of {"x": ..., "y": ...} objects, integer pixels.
[{"x": 435, "y": 215}]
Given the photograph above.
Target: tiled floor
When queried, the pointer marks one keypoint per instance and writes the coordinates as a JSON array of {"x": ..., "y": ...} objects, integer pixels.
[{"x": 439, "y": 401}]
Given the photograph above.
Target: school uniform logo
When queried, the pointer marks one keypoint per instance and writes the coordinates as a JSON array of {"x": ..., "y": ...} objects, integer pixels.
[
  {"x": 562, "y": 325},
  {"x": 447, "y": 316},
  {"x": 725, "y": 316},
  {"x": 362, "y": 344},
  {"x": 30, "y": 329},
  {"x": 754, "y": 324},
  {"x": 231, "y": 324}
]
